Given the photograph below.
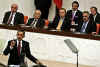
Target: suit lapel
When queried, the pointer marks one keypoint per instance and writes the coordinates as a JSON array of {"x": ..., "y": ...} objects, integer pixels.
[
  {"x": 96, "y": 18},
  {"x": 9, "y": 14},
  {"x": 38, "y": 22},
  {"x": 15, "y": 43},
  {"x": 88, "y": 25},
  {"x": 76, "y": 13},
  {"x": 23, "y": 47},
  {"x": 15, "y": 18},
  {"x": 32, "y": 21}
]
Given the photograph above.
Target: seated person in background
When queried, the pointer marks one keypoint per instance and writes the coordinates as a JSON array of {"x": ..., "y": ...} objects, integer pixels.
[
  {"x": 87, "y": 26},
  {"x": 74, "y": 15},
  {"x": 36, "y": 21},
  {"x": 95, "y": 16},
  {"x": 13, "y": 17},
  {"x": 60, "y": 22}
]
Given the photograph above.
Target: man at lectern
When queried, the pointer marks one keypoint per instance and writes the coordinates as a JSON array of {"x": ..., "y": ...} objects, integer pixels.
[{"x": 18, "y": 49}]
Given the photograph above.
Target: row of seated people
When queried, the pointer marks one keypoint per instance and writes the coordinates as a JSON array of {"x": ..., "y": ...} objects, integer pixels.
[{"x": 72, "y": 20}]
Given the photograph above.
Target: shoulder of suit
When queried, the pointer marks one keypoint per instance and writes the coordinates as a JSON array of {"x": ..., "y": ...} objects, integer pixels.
[
  {"x": 69, "y": 10},
  {"x": 8, "y": 12},
  {"x": 19, "y": 13},
  {"x": 98, "y": 14},
  {"x": 31, "y": 18},
  {"x": 79, "y": 11},
  {"x": 25, "y": 41},
  {"x": 41, "y": 19},
  {"x": 12, "y": 40}
]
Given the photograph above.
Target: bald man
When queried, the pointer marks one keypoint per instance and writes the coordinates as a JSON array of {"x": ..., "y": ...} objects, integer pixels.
[
  {"x": 36, "y": 21},
  {"x": 13, "y": 17}
]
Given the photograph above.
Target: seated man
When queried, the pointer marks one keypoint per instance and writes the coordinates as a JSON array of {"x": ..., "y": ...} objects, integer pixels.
[
  {"x": 95, "y": 16},
  {"x": 36, "y": 22},
  {"x": 13, "y": 17},
  {"x": 60, "y": 22},
  {"x": 18, "y": 49},
  {"x": 87, "y": 26}
]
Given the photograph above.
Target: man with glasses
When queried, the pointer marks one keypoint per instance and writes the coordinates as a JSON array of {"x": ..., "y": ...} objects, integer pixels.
[
  {"x": 87, "y": 25},
  {"x": 13, "y": 17}
]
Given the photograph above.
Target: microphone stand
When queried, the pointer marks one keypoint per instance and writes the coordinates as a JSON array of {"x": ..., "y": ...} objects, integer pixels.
[
  {"x": 73, "y": 48},
  {"x": 77, "y": 60}
]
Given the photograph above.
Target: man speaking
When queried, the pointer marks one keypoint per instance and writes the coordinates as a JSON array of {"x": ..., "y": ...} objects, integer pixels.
[{"x": 18, "y": 49}]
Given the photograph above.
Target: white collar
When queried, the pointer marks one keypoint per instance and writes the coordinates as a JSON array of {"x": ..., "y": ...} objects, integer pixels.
[{"x": 18, "y": 42}]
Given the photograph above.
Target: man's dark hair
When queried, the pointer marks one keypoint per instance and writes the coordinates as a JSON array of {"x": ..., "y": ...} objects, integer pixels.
[
  {"x": 63, "y": 9},
  {"x": 86, "y": 12},
  {"x": 21, "y": 31},
  {"x": 94, "y": 8},
  {"x": 75, "y": 2}
]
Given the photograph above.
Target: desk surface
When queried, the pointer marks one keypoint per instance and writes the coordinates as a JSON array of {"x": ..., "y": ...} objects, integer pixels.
[
  {"x": 4, "y": 60},
  {"x": 44, "y": 31}
]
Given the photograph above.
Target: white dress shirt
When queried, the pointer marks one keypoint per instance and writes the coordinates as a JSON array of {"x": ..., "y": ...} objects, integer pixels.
[{"x": 12, "y": 21}]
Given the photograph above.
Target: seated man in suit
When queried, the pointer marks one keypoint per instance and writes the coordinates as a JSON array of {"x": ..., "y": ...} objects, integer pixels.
[
  {"x": 36, "y": 22},
  {"x": 87, "y": 26},
  {"x": 95, "y": 17},
  {"x": 18, "y": 49},
  {"x": 60, "y": 22},
  {"x": 74, "y": 15},
  {"x": 13, "y": 17}
]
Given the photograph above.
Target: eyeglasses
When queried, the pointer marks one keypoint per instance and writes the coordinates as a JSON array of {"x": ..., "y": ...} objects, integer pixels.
[
  {"x": 13, "y": 7},
  {"x": 85, "y": 16}
]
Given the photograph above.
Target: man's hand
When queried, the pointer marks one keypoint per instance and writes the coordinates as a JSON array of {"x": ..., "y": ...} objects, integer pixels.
[
  {"x": 93, "y": 33},
  {"x": 12, "y": 43},
  {"x": 38, "y": 62}
]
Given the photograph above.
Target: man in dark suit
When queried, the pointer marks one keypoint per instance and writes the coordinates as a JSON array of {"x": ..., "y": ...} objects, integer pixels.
[
  {"x": 87, "y": 26},
  {"x": 36, "y": 22},
  {"x": 60, "y": 22},
  {"x": 95, "y": 17},
  {"x": 18, "y": 49},
  {"x": 13, "y": 17},
  {"x": 43, "y": 6},
  {"x": 74, "y": 15}
]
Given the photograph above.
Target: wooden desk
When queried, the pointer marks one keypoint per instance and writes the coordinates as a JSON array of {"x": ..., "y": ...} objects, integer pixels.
[{"x": 44, "y": 31}]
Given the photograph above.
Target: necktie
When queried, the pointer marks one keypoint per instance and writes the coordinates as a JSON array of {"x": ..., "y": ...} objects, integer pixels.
[
  {"x": 19, "y": 48},
  {"x": 73, "y": 15},
  {"x": 10, "y": 19},
  {"x": 34, "y": 23},
  {"x": 59, "y": 24},
  {"x": 83, "y": 27}
]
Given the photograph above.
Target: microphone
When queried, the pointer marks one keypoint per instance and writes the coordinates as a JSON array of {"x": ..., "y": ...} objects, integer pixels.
[{"x": 72, "y": 47}]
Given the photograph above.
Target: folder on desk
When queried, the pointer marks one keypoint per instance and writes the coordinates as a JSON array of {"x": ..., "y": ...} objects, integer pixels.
[{"x": 39, "y": 66}]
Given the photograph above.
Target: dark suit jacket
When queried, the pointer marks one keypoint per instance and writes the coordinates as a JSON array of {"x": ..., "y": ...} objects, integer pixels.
[
  {"x": 97, "y": 19},
  {"x": 40, "y": 23},
  {"x": 14, "y": 59},
  {"x": 18, "y": 19},
  {"x": 42, "y": 3},
  {"x": 91, "y": 27},
  {"x": 77, "y": 18},
  {"x": 65, "y": 26}
]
